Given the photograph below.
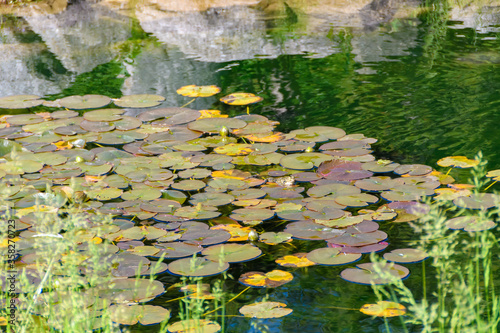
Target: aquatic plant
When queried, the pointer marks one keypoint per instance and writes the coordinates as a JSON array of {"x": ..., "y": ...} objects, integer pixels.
[{"x": 192, "y": 189}]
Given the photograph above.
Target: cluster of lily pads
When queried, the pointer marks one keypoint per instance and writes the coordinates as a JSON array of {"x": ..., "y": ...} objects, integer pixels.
[{"x": 203, "y": 191}]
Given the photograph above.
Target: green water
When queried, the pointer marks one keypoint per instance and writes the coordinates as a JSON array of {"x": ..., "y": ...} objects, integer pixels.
[{"x": 436, "y": 97}]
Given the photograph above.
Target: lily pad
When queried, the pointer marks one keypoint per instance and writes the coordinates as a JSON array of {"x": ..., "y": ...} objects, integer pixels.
[
  {"x": 214, "y": 125},
  {"x": 20, "y": 101},
  {"x": 232, "y": 253},
  {"x": 139, "y": 101},
  {"x": 197, "y": 267},
  {"x": 470, "y": 223},
  {"x": 304, "y": 161},
  {"x": 403, "y": 256},
  {"x": 272, "y": 279},
  {"x": 132, "y": 314},
  {"x": 332, "y": 256},
  {"x": 84, "y": 102},
  {"x": 457, "y": 162},
  {"x": 240, "y": 99},
  {"x": 176, "y": 250},
  {"x": 295, "y": 260},
  {"x": 383, "y": 309},
  {"x": 367, "y": 273},
  {"x": 265, "y": 310},
  {"x": 273, "y": 238},
  {"x": 198, "y": 91},
  {"x": 477, "y": 201}
]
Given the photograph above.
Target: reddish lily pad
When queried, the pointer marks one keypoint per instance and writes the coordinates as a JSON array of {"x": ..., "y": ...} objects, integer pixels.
[{"x": 367, "y": 273}]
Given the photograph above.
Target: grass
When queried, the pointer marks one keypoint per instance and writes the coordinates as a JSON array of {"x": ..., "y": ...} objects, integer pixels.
[{"x": 463, "y": 297}]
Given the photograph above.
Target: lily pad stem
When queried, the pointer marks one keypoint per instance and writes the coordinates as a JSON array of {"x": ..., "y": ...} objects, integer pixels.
[
  {"x": 191, "y": 101},
  {"x": 448, "y": 172},
  {"x": 491, "y": 185}
]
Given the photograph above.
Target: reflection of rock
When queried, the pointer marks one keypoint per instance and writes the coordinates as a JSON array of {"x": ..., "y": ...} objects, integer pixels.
[
  {"x": 481, "y": 18},
  {"x": 21, "y": 65},
  {"x": 83, "y": 36},
  {"x": 227, "y": 34},
  {"x": 375, "y": 46}
]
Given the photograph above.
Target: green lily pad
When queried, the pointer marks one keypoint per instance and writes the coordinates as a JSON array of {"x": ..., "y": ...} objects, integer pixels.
[
  {"x": 131, "y": 290},
  {"x": 413, "y": 169},
  {"x": 139, "y": 101},
  {"x": 404, "y": 256},
  {"x": 232, "y": 253},
  {"x": 214, "y": 125},
  {"x": 145, "y": 193},
  {"x": 196, "y": 173},
  {"x": 84, "y": 102},
  {"x": 211, "y": 199},
  {"x": 367, "y": 273},
  {"x": 104, "y": 194},
  {"x": 251, "y": 214},
  {"x": 332, "y": 190},
  {"x": 20, "y": 101},
  {"x": 198, "y": 213},
  {"x": 273, "y": 238},
  {"x": 97, "y": 126},
  {"x": 318, "y": 133},
  {"x": 304, "y": 161},
  {"x": 265, "y": 310},
  {"x": 380, "y": 166},
  {"x": 103, "y": 115},
  {"x": 160, "y": 206},
  {"x": 470, "y": 223},
  {"x": 332, "y": 256},
  {"x": 356, "y": 200},
  {"x": 132, "y": 314},
  {"x": 197, "y": 267},
  {"x": 174, "y": 250},
  {"x": 145, "y": 251},
  {"x": 189, "y": 185},
  {"x": 20, "y": 167},
  {"x": 24, "y": 119},
  {"x": 375, "y": 184}
]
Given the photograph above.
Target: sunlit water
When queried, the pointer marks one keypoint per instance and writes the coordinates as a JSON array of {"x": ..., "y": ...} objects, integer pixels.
[{"x": 426, "y": 86}]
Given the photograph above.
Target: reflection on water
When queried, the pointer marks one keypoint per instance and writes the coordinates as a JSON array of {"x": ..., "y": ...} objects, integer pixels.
[{"x": 425, "y": 83}]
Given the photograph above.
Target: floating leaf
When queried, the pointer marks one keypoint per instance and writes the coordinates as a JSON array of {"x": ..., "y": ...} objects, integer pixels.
[
  {"x": 470, "y": 223},
  {"x": 304, "y": 161},
  {"x": 84, "y": 102},
  {"x": 198, "y": 91},
  {"x": 20, "y": 101},
  {"x": 238, "y": 232},
  {"x": 295, "y": 260},
  {"x": 405, "y": 256},
  {"x": 273, "y": 238},
  {"x": 383, "y": 309},
  {"x": 332, "y": 256},
  {"x": 477, "y": 201},
  {"x": 367, "y": 273},
  {"x": 197, "y": 267},
  {"x": 232, "y": 253},
  {"x": 214, "y": 125},
  {"x": 132, "y": 314},
  {"x": 457, "y": 162},
  {"x": 265, "y": 310},
  {"x": 240, "y": 99},
  {"x": 175, "y": 250},
  {"x": 271, "y": 279},
  {"x": 139, "y": 101}
]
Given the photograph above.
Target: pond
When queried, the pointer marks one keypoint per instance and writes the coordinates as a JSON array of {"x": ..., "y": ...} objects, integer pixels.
[{"x": 422, "y": 80}]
